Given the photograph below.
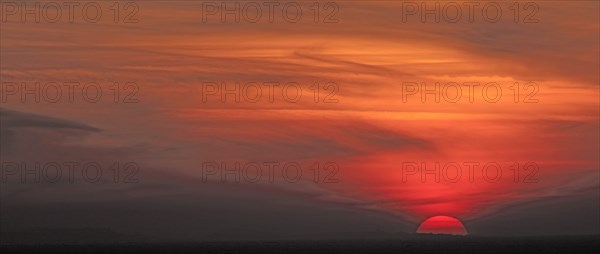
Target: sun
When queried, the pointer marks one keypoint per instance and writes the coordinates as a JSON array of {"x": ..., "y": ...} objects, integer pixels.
[{"x": 442, "y": 225}]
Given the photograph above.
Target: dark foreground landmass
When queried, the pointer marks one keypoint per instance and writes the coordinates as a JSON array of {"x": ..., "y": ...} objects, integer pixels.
[{"x": 407, "y": 244}]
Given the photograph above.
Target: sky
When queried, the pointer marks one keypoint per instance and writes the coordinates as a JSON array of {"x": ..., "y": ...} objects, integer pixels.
[{"x": 342, "y": 105}]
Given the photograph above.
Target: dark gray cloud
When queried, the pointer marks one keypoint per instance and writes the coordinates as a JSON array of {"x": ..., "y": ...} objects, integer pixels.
[
  {"x": 14, "y": 119},
  {"x": 573, "y": 215},
  {"x": 162, "y": 201}
]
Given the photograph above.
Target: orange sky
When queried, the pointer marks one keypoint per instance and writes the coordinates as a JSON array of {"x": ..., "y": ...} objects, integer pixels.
[{"x": 370, "y": 132}]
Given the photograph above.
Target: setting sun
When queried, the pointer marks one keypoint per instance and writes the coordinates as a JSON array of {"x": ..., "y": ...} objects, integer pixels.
[{"x": 442, "y": 225}]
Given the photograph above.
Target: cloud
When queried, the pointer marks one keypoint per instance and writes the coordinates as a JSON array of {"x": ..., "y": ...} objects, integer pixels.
[
  {"x": 369, "y": 132},
  {"x": 16, "y": 120}
]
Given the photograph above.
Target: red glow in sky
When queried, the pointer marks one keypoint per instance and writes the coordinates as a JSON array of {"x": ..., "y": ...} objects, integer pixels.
[{"x": 414, "y": 154}]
